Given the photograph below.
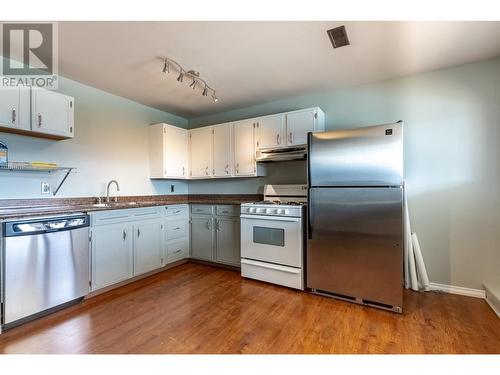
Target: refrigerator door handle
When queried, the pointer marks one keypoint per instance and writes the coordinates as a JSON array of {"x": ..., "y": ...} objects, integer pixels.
[{"x": 309, "y": 215}]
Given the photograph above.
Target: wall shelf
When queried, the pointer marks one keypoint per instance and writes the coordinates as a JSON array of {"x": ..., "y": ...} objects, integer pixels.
[{"x": 30, "y": 167}]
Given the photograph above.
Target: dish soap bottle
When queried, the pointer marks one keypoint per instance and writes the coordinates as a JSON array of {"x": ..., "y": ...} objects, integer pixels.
[{"x": 4, "y": 153}]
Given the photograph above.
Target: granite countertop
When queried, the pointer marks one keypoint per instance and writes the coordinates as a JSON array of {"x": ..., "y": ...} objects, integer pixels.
[{"x": 21, "y": 208}]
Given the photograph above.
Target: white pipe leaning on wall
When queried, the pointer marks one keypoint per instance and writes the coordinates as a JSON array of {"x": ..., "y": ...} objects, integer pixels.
[
  {"x": 414, "y": 266},
  {"x": 419, "y": 260}
]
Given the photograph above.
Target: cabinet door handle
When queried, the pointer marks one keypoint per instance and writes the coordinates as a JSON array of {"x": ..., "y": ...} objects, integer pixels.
[
  {"x": 217, "y": 225},
  {"x": 14, "y": 115},
  {"x": 206, "y": 170},
  {"x": 39, "y": 120},
  {"x": 183, "y": 171},
  {"x": 290, "y": 137},
  {"x": 278, "y": 138},
  {"x": 209, "y": 224},
  {"x": 124, "y": 235},
  {"x": 227, "y": 169},
  {"x": 237, "y": 168},
  {"x": 138, "y": 232}
]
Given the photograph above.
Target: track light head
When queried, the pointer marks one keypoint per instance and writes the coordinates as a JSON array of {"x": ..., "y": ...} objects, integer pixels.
[
  {"x": 181, "y": 77},
  {"x": 214, "y": 97},
  {"x": 166, "y": 67},
  {"x": 205, "y": 91},
  {"x": 193, "y": 84}
]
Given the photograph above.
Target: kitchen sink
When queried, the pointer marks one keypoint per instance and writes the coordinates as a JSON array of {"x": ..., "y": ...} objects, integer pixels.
[{"x": 115, "y": 204}]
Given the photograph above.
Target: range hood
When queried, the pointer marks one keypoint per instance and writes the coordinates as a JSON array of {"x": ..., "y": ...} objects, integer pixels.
[{"x": 282, "y": 154}]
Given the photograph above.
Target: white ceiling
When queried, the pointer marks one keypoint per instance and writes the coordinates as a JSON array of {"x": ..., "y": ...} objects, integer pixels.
[{"x": 255, "y": 62}]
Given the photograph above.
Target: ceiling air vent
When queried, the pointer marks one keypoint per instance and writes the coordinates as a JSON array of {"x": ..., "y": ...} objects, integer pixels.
[{"x": 338, "y": 36}]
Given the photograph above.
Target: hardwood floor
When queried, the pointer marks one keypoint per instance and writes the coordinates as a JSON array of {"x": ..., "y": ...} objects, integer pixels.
[{"x": 196, "y": 308}]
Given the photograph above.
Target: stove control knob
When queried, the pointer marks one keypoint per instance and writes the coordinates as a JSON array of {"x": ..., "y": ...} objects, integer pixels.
[
  {"x": 281, "y": 211},
  {"x": 251, "y": 209}
]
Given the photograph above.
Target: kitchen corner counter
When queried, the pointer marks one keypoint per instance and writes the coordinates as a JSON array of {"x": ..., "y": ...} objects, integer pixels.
[{"x": 19, "y": 208}]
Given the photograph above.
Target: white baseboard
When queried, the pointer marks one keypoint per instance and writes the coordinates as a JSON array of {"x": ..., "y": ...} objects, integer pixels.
[
  {"x": 478, "y": 293},
  {"x": 493, "y": 299}
]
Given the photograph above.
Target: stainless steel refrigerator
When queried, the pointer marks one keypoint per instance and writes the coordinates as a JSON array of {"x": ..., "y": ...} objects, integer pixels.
[{"x": 355, "y": 215}]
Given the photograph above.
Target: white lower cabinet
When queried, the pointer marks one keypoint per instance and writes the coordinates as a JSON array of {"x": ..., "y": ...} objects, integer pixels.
[
  {"x": 112, "y": 247},
  {"x": 176, "y": 232},
  {"x": 215, "y": 233},
  {"x": 177, "y": 250},
  {"x": 131, "y": 242},
  {"x": 227, "y": 239},
  {"x": 148, "y": 246}
]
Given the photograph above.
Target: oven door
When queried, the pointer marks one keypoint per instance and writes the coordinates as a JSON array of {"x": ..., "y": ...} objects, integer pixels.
[{"x": 272, "y": 239}]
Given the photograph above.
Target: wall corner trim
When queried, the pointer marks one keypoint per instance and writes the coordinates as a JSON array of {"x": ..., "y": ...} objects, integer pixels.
[{"x": 452, "y": 289}]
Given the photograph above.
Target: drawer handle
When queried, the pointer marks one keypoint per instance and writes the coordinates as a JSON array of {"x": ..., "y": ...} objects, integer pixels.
[
  {"x": 39, "y": 120},
  {"x": 113, "y": 217},
  {"x": 177, "y": 251},
  {"x": 177, "y": 228},
  {"x": 124, "y": 235},
  {"x": 146, "y": 213}
]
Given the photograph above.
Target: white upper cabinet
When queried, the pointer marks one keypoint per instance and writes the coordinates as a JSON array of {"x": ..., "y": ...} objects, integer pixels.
[
  {"x": 222, "y": 150},
  {"x": 201, "y": 152},
  {"x": 168, "y": 151},
  {"x": 52, "y": 114},
  {"x": 176, "y": 151},
  {"x": 244, "y": 148},
  {"x": 299, "y": 123},
  {"x": 228, "y": 150},
  {"x": 15, "y": 108},
  {"x": 270, "y": 130}
]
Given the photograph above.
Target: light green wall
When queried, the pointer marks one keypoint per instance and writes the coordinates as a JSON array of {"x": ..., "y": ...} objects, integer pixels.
[
  {"x": 452, "y": 158},
  {"x": 111, "y": 142}
]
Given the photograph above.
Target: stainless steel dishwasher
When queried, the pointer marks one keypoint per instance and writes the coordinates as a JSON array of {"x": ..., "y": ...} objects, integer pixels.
[{"x": 45, "y": 265}]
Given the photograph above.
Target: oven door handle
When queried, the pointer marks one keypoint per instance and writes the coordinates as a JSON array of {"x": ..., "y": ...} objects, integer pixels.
[{"x": 271, "y": 218}]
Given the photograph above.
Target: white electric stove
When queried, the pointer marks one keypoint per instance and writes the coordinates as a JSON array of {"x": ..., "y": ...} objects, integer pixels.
[{"x": 272, "y": 236}]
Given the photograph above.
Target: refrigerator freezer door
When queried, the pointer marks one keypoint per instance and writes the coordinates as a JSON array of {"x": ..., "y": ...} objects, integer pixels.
[
  {"x": 355, "y": 242},
  {"x": 371, "y": 156}
]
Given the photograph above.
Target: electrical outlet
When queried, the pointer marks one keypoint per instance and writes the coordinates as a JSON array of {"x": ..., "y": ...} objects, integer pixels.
[
  {"x": 45, "y": 188},
  {"x": 172, "y": 188}
]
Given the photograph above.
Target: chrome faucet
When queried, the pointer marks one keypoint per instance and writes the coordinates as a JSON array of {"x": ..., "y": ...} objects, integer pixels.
[{"x": 107, "y": 189}]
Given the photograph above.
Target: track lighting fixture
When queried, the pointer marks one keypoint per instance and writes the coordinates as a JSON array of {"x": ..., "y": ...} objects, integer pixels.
[{"x": 190, "y": 74}]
